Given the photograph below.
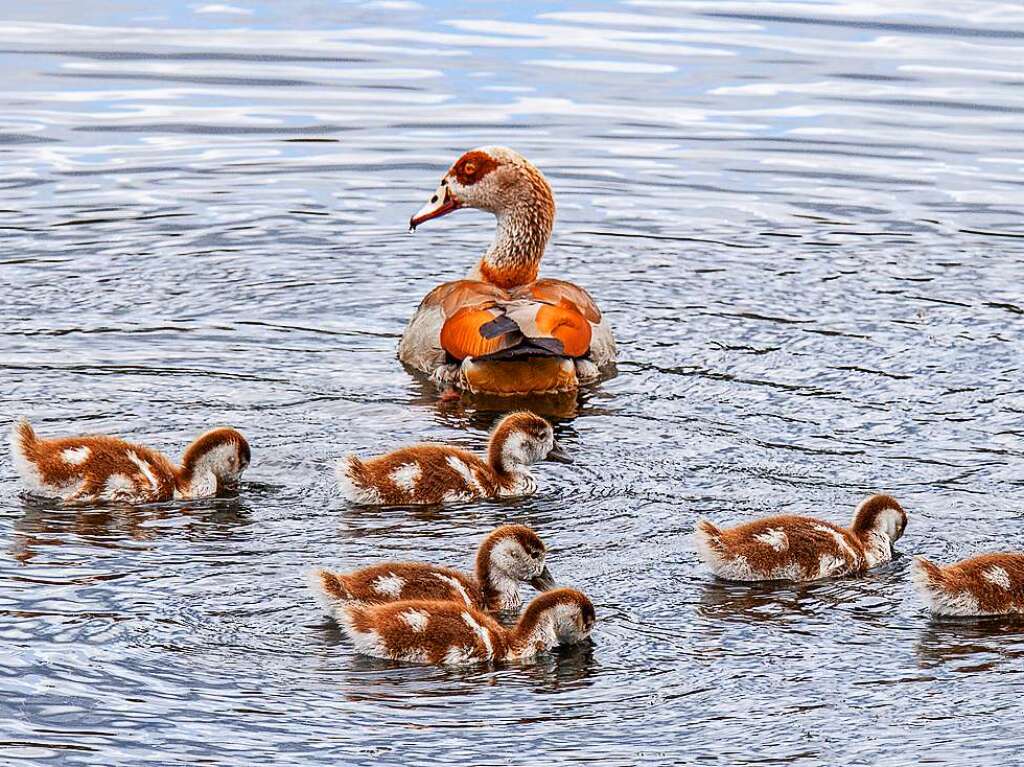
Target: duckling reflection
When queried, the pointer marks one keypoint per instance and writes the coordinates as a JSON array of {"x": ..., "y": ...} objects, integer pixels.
[
  {"x": 563, "y": 406},
  {"x": 759, "y": 602},
  {"x": 570, "y": 667},
  {"x": 44, "y": 524},
  {"x": 565, "y": 668},
  {"x": 972, "y": 644}
]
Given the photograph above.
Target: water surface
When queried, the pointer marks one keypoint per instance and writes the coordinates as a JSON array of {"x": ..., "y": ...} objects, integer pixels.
[{"x": 803, "y": 221}]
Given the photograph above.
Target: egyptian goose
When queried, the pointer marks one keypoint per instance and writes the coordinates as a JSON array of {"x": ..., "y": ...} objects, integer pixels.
[
  {"x": 423, "y": 631},
  {"x": 792, "y": 548},
  {"x": 429, "y": 473},
  {"x": 510, "y": 555},
  {"x": 501, "y": 330},
  {"x": 93, "y": 468},
  {"x": 990, "y": 584}
]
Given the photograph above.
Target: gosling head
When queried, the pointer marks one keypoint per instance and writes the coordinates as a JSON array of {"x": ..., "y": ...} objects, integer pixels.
[
  {"x": 570, "y": 613},
  {"x": 880, "y": 515},
  {"x": 216, "y": 461},
  {"x": 491, "y": 178},
  {"x": 516, "y": 554},
  {"x": 521, "y": 439}
]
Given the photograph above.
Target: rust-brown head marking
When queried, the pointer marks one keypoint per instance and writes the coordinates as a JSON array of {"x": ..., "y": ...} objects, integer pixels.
[{"x": 472, "y": 167}]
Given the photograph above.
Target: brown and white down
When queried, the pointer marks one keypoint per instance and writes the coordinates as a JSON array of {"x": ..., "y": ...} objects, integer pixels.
[
  {"x": 449, "y": 633},
  {"x": 429, "y": 473},
  {"x": 986, "y": 585},
  {"x": 509, "y": 556},
  {"x": 96, "y": 468},
  {"x": 796, "y": 548}
]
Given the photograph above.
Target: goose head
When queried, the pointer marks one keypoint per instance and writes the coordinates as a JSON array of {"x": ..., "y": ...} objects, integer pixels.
[{"x": 500, "y": 181}]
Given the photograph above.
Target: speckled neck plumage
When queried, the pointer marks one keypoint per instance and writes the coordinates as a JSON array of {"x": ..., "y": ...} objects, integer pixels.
[{"x": 522, "y": 234}]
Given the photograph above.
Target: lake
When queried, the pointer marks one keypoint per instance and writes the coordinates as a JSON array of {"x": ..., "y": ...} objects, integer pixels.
[{"x": 803, "y": 221}]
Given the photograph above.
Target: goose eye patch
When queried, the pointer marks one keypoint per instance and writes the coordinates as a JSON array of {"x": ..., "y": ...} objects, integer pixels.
[{"x": 473, "y": 166}]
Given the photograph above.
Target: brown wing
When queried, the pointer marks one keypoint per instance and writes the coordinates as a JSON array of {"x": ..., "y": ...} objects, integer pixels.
[
  {"x": 477, "y": 332},
  {"x": 460, "y": 294},
  {"x": 559, "y": 292},
  {"x": 421, "y": 345}
]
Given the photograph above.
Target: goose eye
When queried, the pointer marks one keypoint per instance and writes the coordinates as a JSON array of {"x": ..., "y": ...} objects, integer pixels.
[{"x": 469, "y": 168}]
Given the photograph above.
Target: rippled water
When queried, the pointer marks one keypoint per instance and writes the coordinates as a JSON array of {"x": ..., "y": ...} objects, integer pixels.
[{"x": 804, "y": 222}]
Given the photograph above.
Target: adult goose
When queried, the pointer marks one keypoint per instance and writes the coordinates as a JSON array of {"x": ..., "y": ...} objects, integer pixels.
[{"x": 502, "y": 330}]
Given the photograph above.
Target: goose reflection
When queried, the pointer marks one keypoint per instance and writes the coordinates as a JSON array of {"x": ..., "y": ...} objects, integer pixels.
[{"x": 476, "y": 409}]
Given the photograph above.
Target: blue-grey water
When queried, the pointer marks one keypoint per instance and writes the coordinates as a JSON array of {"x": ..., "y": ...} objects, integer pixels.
[{"x": 803, "y": 221}]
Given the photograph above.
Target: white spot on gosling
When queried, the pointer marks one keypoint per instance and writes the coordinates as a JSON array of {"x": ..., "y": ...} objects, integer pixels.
[
  {"x": 455, "y": 584},
  {"x": 467, "y": 475},
  {"x": 829, "y": 565},
  {"x": 840, "y": 540},
  {"x": 117, "y": 487},
  {"x": 351, "y": 490},
  {"x": 459, "y": 655},
  {"x": 416, "y": 619},
  {"x": 998, "y": 576},
  {"x": 774, "y": 537},
  {"x": 26, "y": 469},
  {"x": 406, "y": 476},
  {"x": 389, "y": 585},
  {"x": 145, "y": 468},
  {"x": 484, "y": 634},
  {"x": 517, "y": 450},
  {"x": 76, "y": 455}
]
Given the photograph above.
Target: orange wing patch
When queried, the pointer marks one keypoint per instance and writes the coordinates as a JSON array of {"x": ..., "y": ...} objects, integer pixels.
[
  {"x": 476, "y": 332},
  {"x": 566, "y": 324},
  {"x": 482, "y": 319}
]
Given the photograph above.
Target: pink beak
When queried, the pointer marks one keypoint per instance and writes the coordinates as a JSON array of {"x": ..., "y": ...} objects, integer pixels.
[{"x": 442, "y": 203}]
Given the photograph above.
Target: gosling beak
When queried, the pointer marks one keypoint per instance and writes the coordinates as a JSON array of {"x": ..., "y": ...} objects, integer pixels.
[
  {"x": 544, "y": 581},
  {"x": 442, "y": 203},
  {"x": 559, "y": 455}
]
